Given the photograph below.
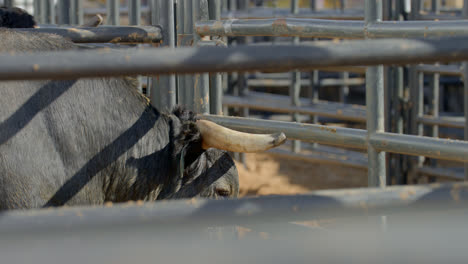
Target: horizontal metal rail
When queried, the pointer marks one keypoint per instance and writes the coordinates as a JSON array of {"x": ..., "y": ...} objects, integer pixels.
[
  {"x": 102, "y": 11},
  {"x": 265, "y": 12},
  {"x": 262, "y": 12},
  {"x": 445, "y": 17},
  {"x": 316, "y": 28},
  {"x": 441, "y": 173},
  {"x": 455, "y": 122},
  {"x": 280, "y": 104},
  {"x": 105, "y": 34},
  {"x": 304, "y": 82},
  {"x": 324, "y": 156},
  {"x": 207, "y": 213},
  {"x": 455, "y": 150},
  {"x": 73, "y": 64},
  {"x": 448, "y": 70}
]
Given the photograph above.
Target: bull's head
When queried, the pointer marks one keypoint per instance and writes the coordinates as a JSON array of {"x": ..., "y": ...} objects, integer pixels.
[{"x": 205, "y": 169}]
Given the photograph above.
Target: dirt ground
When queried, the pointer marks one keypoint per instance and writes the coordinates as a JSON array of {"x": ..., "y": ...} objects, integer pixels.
[{"x": 267, "y": 174}]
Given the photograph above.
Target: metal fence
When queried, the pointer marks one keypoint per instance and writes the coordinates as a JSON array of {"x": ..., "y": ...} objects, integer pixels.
[
  {"x": 189, "y": 21},
  {"x": 192, "y": 71}
]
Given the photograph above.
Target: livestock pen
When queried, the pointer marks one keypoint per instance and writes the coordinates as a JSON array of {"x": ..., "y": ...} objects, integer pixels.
[{"x": 142, "y": 229}]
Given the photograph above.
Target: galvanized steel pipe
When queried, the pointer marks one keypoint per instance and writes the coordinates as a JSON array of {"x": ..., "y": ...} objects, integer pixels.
[
  {"x": 314, "y": 28},
  {"x": 207, "y": 213},
  {"x": 74, "y": 64}
]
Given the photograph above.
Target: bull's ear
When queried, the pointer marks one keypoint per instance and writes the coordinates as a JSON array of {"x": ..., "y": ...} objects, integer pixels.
[{"x": 216, "y": 136}]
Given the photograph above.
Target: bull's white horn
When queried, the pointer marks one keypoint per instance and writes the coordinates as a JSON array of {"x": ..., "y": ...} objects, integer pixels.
[
  {"x": 216, "y": 136},
  {"x": 94, "y": 21}
]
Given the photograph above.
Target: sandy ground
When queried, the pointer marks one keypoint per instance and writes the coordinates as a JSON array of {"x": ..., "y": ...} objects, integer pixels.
[{"x": 266, "y": 174}]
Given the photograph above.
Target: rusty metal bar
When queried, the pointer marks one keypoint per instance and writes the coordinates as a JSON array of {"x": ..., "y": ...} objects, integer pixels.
[
  {"x": 104, "y": 34},
  {"x": 72, "y": 64},
  {"x": 295, "y": 27}
]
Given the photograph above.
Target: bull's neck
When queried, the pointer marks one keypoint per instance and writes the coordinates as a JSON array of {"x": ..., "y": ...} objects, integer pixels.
[{"x": 150, "y": 167}]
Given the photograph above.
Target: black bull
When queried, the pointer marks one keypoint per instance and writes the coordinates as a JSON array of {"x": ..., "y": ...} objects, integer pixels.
[{"x": 90, "y": 141}]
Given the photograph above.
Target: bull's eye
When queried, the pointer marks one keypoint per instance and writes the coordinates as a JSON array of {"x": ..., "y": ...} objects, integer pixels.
[{"x": 223, "y": 192}]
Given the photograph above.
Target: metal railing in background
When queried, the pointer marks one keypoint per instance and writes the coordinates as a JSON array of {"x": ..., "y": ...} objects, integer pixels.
[
  {"x": 297, "y": 25},
  {"x": 100, "y": 230}
]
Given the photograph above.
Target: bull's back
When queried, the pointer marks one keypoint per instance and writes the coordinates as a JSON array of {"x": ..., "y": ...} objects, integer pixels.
[{"x": 58, "y": 137}]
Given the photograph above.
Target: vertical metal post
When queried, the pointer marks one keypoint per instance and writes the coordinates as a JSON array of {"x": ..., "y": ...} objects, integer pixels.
[
  {"x": 313, "y": 5},
  {"x": 295, "y": 88},
  {"x": 113, "y": 12},
  {"x": 465, "y": 102},
  {"x": 398, "y": 108},
  {"x": 399, "y": 10},
  {"x": 435, "y": 87},
  {"x": 76, "y": 12},
  {"x": 243, "y": 4},
  {"x": 64, "y": 12},
  {"x": 37, "y": 11},
  {"x": 415, "y": 9},
  {"x": 224, "y": 6},
  {"x": 9, "y": 3},
  {"x": 184, "y": 29},
  {"x": 48, "y": 7},
  {"x": 134, "y": 12},
  {"x": 216, "y": 79},
  {"x": 344, "y": 89},
  {"x": 163, "y": 94},
  {"x": 419, "y": 100},
  {"x": 465, "y": 94},
  {"x": 242, "y": 77},
  {"x": 202, "y": 81},
  {"x": 375, "y": 104},
  {"x": 314, "y": 80},
  {"x": 134, "y": 18},
  {"x": 43, "y": 11},
  {"x": 435, "y": 6},
  {"x": 232, "y": 5}
]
